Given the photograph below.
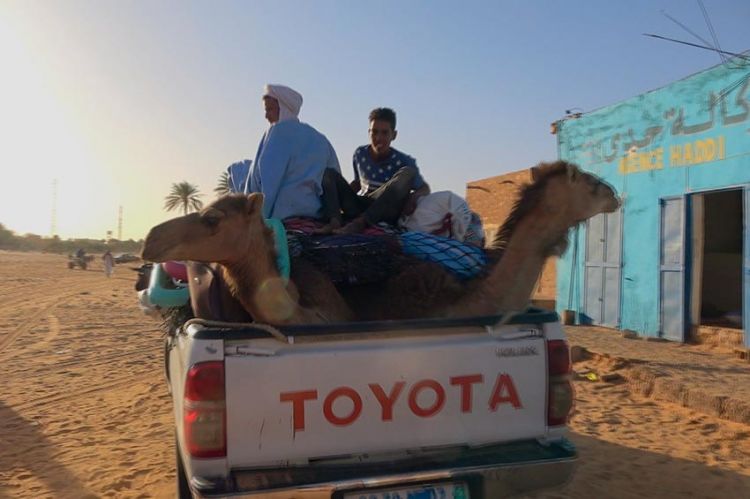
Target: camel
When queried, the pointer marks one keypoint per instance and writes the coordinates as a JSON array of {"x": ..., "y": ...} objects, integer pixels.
[{"x": 232, "y": 233}]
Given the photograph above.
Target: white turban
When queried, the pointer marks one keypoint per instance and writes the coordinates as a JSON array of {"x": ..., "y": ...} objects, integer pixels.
[{"x": 290, "y": 101}]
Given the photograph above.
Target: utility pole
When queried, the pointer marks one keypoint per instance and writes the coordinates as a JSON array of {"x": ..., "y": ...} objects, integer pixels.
[
  {"x": 53, "y": 225},
  {"x": 119, "y": 224}
]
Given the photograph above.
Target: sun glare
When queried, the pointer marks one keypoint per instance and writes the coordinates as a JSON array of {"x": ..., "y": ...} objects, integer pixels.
[{"x": 43, "y": 142}]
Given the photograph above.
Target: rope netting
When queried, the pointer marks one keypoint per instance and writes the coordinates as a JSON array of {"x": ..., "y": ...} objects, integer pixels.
[
  {"x": 369, "y": 258},
  {"x": 348, "y": 258},
  {"x": 464, "y": 260}
]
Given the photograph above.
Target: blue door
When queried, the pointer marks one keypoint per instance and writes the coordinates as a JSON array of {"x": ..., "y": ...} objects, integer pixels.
[
  {"x": 672, "y": 269},
  {"x": 602, "y": 270},
  {"x": 746, "y": 268}
]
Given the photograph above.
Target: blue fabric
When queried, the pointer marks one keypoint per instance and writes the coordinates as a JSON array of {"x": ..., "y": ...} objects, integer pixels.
[
  {"x": 372, "y": 174},
  {"x": 288, "y": 169},
  {"x": 464, "y": 260},
  {"x": 282, "y": 247},
  {"x": 239, "y": 173}
]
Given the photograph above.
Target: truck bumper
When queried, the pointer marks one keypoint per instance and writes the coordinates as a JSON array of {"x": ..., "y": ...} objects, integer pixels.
[{"x": 505, "y": 471}]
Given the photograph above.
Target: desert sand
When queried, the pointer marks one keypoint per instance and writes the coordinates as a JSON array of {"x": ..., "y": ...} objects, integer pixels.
[{"x": 84, "y": 410}]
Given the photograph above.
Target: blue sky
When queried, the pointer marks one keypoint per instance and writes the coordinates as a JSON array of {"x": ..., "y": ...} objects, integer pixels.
[{"x": 117, "y": 100}]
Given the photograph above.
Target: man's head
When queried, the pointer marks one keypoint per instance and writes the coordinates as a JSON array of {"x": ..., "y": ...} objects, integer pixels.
[
  {"x": 271, "y": 107},
  {"x": 281, "y": 103},
  {"x": 382, "y": 130}
]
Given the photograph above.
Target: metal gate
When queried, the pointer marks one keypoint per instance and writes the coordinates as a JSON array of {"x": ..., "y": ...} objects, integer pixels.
[
  {"x": 672, "y": 269},
  {"x": 602, "y": 269}
]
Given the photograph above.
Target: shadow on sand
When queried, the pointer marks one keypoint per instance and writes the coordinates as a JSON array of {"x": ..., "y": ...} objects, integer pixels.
[
  {"x": 613, "y": 471},
  {"x": 26, "y": 452}
]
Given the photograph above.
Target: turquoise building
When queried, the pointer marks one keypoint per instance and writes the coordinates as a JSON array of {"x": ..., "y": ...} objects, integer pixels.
[{"x": 676, "y": 256}]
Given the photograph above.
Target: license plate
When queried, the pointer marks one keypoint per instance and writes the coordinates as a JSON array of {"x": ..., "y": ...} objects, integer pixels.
[{"x": 439, "y": 491}]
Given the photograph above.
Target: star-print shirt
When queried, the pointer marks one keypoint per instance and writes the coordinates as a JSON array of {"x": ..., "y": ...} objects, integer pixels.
[{"x": 372, "y": 174}]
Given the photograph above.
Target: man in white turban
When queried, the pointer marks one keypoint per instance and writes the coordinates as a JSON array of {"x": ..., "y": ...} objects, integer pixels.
[{"x": 291, "y": 159}]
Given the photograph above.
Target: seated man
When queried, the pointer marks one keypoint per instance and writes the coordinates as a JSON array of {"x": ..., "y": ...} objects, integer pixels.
[
  {"x": 291, "y": 158},
  {"x": 388, "y": 181}
]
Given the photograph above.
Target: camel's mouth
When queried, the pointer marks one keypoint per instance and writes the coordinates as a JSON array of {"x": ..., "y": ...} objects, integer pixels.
[
  {"x": 158, "y": 249},
  {"x": 615, "y": 204},
  {"x": 150, "y": 253},
  {"x": 166, "y": 241}
]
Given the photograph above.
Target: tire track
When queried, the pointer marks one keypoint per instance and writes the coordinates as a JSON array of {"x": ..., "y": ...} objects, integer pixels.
[
  {"x": 44, "y": 401},
  {"x": 29, "y": 322},
  {"x": 101, "y": 360},
  {"x": 83, "y": 356},
  {"x": 22, "y": 296},
  {"x": 54, "y": 329},
  {"x": 140, "y": 339},
  {"x": 48, "y": 304}
]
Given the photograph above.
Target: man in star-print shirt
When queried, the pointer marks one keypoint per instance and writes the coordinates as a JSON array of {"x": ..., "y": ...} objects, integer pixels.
[{"x": 388, "y": 182}]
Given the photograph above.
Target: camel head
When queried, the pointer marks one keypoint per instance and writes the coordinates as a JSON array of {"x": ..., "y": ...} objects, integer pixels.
[
  {"x": 222, "y": 232},
  {"x": 560, "y": 197},
  {"x": 571, "y": 194}
]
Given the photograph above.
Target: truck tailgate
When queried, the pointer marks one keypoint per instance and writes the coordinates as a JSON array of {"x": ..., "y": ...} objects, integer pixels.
[{"x": 325, "y": 398}]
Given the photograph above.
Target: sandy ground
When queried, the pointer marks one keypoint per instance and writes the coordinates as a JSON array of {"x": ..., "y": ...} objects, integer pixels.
[{"x": 84, "y": 411}]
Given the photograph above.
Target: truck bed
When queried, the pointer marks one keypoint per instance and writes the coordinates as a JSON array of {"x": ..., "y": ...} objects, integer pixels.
[{"x": 348, "y": 407}]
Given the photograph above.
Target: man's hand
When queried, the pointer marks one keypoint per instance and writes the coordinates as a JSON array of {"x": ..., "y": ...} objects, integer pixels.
[{"x": 411, "y": 203}]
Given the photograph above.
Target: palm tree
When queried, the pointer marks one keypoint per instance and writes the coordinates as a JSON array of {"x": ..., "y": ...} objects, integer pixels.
[
  {"x": 185, "y": 195},
  {"x": 224, "y": 186}
]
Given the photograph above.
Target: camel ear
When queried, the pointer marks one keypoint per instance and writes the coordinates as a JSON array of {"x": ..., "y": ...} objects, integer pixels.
[
  {"x": 254, "y": 202},
  {"x": 572, "y": 173},
  {"x": 535, "y": 173}
]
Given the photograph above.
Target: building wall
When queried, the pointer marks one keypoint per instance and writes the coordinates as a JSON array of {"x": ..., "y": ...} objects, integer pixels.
[
  {"x": 493, "y": 198},
  {"x": 690, "y": 136}
]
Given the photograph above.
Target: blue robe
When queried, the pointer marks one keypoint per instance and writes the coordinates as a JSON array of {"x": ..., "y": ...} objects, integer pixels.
[
  {"x": 238, "y": 174},
  {"x": 288, "y": 169}
]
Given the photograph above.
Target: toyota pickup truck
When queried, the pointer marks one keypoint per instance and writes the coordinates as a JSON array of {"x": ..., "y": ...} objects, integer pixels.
[{"x": 459, "y": 408}]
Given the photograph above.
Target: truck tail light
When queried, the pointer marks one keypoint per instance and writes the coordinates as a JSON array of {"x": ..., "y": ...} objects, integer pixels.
[
  {"x": 560, "y": 388},
  {"x": 204, "y": 410}
]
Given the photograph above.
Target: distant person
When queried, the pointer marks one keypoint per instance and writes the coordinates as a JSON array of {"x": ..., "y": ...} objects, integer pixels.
[
  {"x": 80, "y": 253},
  {"x": 388, "y": 182},
  {"x": 109, "y": 263},
  {"x": 291, "y": 158},
  {"x": 238, "y": 174}
]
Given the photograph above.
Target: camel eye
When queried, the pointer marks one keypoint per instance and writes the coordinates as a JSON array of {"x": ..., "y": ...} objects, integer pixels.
[
  {"x": 211, "y": 220},
  {"x": 593, "y": 183}
]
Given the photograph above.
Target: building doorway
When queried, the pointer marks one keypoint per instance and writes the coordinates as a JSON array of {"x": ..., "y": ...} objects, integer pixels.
[
  {"x": 716, "y": 264},
  {"x": 601, "y": 298}
]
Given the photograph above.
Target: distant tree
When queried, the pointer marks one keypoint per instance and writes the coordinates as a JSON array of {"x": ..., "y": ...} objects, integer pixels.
[
  {"x": 224, "y": 186},
  {"x": 8, "y": 240},
  {"x": 53, "y": 244},
  {"x": 184, "y": 195}
]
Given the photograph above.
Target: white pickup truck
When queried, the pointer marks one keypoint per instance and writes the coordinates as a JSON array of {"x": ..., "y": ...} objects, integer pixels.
[{"x": 468, "y": 408}]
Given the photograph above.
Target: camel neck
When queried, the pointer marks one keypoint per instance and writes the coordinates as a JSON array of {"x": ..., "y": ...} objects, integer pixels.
[
  {"x": 523, "y": 261},
  {"x": 511, "y": 282},
  {"x": 257, "y": 284}
]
